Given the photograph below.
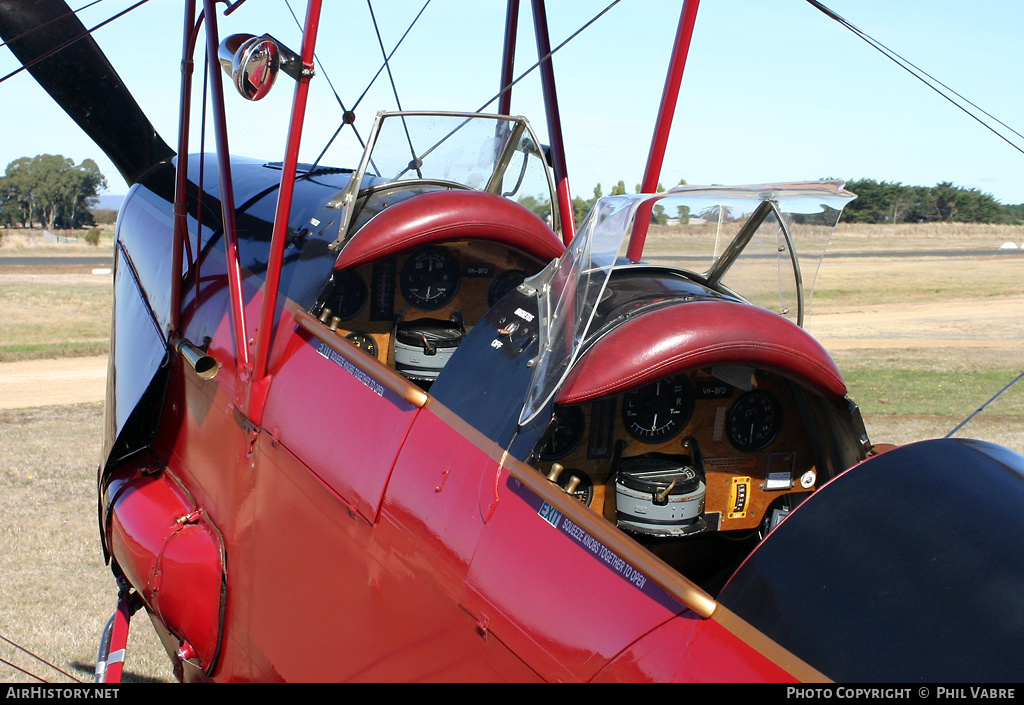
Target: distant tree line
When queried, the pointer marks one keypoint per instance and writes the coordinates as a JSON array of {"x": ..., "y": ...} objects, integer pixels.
[
  {"x": 892, "y": 202},
  {"x": 50, "y": 190},
  {"x": 582, "y": 206},
  {"x": 876, "y": 202}
]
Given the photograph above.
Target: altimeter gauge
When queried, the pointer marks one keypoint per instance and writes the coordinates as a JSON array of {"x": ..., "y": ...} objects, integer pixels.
[
  {"x": 754, "y": 421},
  {"x": 347, "y": 295}
]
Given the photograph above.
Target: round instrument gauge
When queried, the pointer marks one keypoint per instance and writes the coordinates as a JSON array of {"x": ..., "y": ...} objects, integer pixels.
[
  {"x": 347, "y": 295},
  {"x": 659, "y": 411},
  {"x": 583, "y": 486},
  {"x": 505, "y": 283},
  {"x": 430, "y": 278},
  {"x": 754, "y": 421},
  {"x": 363, "y": 341},
  {"x": 564, "y": 434}
]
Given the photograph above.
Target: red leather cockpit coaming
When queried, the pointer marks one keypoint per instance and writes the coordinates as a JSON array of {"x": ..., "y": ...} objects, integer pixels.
[
  {"x": 450, "y": 215},
  {"x": 669, "y": 340}
]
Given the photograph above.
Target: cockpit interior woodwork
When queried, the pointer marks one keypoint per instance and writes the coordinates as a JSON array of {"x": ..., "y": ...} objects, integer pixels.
[
  {"x": 750, "y": 447},
  {"x": 446, "y": 282}
]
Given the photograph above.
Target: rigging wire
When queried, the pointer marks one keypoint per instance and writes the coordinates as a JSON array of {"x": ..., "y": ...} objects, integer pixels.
[
  {"x": 923, "y": 76},
  {"x": 548, "y": 56},
  {"x": 388, "y": 57},
  {"x": 73, "y": 39},
  {"x": 349, "y": 113},
  {"x": 18, "y": 668},
  {"x": 982, "y": 407},
  {"x": 37, "y": 658},
  {"x": 341, "y": 103},
  {"x": 394, "y": 89},
  {"x": 934, "y": 83},
  {"x": 517, "y": 80}
]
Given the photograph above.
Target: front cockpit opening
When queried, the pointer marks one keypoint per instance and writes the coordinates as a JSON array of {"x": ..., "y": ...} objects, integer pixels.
[{"x": 414, "y": 280}]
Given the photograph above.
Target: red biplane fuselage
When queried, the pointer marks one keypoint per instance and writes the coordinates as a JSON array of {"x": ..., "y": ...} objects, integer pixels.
[{"x": 363, "y": 426}]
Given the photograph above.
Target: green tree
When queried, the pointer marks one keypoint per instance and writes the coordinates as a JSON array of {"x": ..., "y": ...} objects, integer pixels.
[
  {"x": 1013, "y": 213},
  {"x": 50, "y": 190},
  {"x": 542, "y": 207},
  {"x": 580, "y": 208},
  {"x": 886, "y": 202},
  {"x": 683, "y": 212}
]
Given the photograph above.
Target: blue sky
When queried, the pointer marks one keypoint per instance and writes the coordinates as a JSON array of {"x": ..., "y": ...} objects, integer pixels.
[{"x": 773, "y": 90}]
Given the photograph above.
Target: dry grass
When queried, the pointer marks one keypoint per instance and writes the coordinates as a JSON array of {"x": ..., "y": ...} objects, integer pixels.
[
  {"x": 859, "y": 282},
  {"x": 856, "y": 237},
  {"x": 56, "y": 594},
  {"x": 43, "y": 316},
  {"x": 18, "y": 242}
]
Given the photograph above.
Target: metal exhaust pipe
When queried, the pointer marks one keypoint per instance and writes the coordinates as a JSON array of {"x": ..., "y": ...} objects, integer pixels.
[{"x": 204, "y": 365}]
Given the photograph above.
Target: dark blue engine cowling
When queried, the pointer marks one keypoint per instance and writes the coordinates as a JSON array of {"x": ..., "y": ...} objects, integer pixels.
[{"x": 906, "y": 568}]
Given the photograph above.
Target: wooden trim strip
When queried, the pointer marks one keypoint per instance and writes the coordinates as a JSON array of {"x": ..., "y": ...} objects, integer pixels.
[
  {"x": 370, "y": 365},
  {"x": 757, "y": 640}
]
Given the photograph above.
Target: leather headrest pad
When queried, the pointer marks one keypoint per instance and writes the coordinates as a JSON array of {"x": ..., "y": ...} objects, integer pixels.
[
  {"x": 697, "y": 334},
  {"x": 450, "y": 215}
]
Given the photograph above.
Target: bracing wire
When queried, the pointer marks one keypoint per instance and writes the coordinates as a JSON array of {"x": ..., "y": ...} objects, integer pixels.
[
  {"x": 523, "y": 75},
  {"x": 394, "y": 88},
  {"x": 19, "y": 668},
  {"x": 37, "y": 658},
  {"x": 390, "y": 54},
  {"x": 939, "y": 87},
  {"x": 924, "y": 77},
  {"x": 982, "y": 407},
  {"x": 72, "y": 40},
  {"x": 548, "y": 56},
  {"x": 350, "y": 112}
]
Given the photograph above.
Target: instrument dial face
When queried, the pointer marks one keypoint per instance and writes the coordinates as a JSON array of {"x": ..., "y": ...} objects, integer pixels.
[
  {"x": 658, "y": 412},
  {"x": 505, "y": 283},
  {"x": 584, "y": 490},
  {"x": 363, "y": 341},
  {"x": 430, "y": 278},
  {"x": 347, "y": 296},
  {"x": 754, "y": 421},
  {"x": 565, "y": 433}
]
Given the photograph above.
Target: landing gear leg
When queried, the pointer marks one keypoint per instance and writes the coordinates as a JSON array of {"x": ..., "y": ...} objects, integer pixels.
[{"x": 110, "y": 660}]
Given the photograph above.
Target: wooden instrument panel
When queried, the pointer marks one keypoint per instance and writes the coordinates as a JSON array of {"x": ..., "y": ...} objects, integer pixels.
[
  {"x": 462, "y": 279},
  {"x": 750, "y": 446}
]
